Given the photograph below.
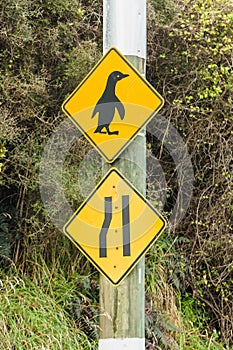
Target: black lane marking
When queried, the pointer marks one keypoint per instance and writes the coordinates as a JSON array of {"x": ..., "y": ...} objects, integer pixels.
[
  {"x": 105, "y": 227},
  {"x": 126, "y": 225}
]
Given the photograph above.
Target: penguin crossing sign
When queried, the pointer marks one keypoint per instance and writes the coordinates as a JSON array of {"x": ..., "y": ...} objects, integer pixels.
[
  {"x": 114, "y": 226},
  {"x": 112, "y": 104}
]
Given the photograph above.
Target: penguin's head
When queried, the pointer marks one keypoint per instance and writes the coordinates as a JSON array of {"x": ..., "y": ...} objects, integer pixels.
[{"x": 116, "y": 76}]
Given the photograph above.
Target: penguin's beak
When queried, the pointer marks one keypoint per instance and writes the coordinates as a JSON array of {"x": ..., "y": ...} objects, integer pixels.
[{"x": 124, "y": 76}]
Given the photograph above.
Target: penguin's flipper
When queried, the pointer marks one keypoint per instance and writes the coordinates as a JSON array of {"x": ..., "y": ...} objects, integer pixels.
[
  {"x": 121, "y": 109},
  {"x": 96, "y": 110}
]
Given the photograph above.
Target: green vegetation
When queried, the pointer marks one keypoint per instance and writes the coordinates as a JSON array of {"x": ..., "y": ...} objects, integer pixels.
[
  {"x": 191, "y": 65},
  {"x": 175, "y": 319},
  {"x": 49, "y": 292},
  {"x": 44, "y": 315},
  {"x": 2, "y": 153}
]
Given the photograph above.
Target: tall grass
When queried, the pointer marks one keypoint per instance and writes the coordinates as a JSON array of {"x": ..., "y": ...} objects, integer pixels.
[
  {"x": 175, "y": 319},
  {"x": 51, "y": 309},
  {"x": 40, "y": 316}
]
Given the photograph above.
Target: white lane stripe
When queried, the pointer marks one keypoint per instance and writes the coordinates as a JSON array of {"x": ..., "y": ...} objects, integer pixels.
[{"x": 140, "y": 276}]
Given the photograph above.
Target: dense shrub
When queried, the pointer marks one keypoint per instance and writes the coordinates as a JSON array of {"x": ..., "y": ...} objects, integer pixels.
[
  {"x": 46, "y": 49},
  {"x": 190, "y": 60}
]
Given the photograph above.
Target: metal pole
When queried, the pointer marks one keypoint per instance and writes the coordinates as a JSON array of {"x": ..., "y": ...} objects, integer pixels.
[{"x": 122, "y": 308}]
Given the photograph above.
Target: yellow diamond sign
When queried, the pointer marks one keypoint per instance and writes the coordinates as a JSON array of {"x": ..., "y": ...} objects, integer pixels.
[
  {"x": 112, "y": 104},
  {"x": 115, "y": 226}
]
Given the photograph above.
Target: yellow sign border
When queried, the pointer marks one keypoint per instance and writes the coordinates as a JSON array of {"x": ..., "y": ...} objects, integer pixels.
[
  {"x": 117, "y": 154},
  {"x": 156, "y": 236}
]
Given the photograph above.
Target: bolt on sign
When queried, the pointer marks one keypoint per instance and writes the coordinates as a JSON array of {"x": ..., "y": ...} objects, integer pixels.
[
  {"x": 114, "y": 226},
  {"x": 112, "y": 104}
]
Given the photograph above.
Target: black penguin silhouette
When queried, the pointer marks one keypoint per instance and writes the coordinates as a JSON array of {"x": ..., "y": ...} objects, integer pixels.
[{"x": 107, "y": 104}]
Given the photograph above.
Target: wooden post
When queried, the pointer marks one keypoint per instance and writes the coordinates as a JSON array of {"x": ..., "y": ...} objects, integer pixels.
[{"x": 122, "y": 308}]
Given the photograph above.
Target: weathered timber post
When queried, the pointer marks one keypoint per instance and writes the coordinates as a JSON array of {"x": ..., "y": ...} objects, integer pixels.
[{"x": 122, "y": 308}]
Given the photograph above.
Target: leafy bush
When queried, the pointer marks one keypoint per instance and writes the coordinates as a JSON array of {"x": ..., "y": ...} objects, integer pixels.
[
  {"x": 2, "y": 153},
  {"x": 190, "y": 60},
  {"x": 46, "y": 49}
]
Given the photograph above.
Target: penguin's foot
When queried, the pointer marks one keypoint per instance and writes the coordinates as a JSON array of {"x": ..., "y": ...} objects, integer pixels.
[
  {"x": 113, "y": 132},
  {"x": 99, "y": 132}
]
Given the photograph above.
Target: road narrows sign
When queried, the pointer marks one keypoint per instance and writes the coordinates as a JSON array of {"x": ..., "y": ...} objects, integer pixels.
[
  {"x": 112, "y": 104},
  {"x": 115, "y": 226}
]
